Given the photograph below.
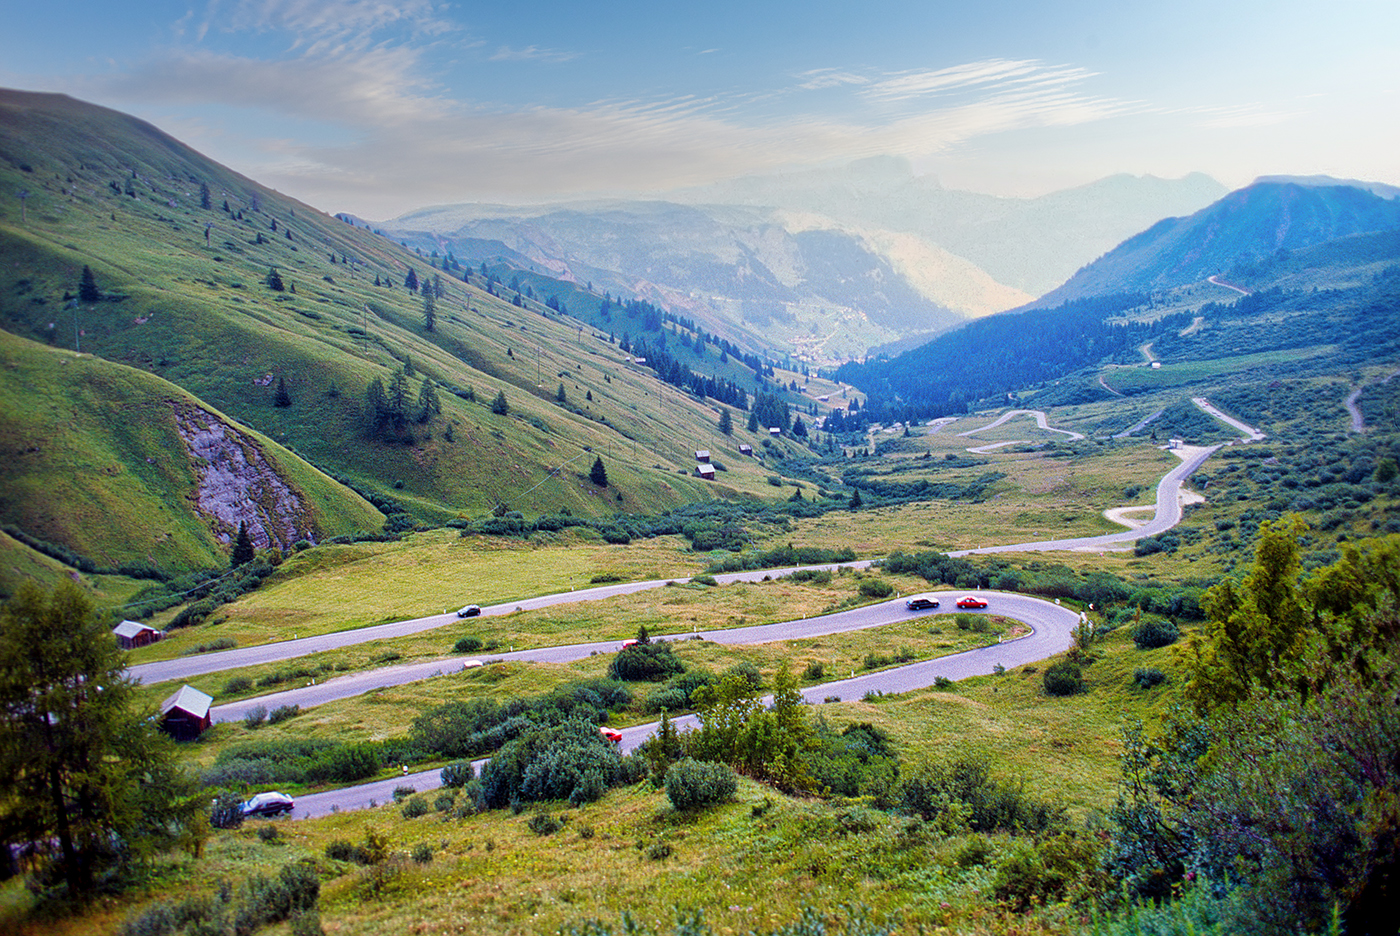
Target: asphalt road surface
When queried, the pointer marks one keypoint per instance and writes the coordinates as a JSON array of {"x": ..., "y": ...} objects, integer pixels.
[
  {"x": 1043, "y": 616},
  {"x": 1051, "y": 627}
]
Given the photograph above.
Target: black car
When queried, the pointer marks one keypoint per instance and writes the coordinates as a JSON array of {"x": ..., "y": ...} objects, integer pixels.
[
  {"x": 469, "y": 611},
  {"x": 921, "y": 604}
]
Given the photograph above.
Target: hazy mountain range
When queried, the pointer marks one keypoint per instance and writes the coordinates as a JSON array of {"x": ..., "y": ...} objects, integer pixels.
[{"x": 824, "y": 264}]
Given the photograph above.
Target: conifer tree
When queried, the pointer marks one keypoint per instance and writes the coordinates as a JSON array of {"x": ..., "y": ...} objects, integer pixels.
[
  {"x": 243, "y": 551},
  {"x": 429, "y": 311},
  {"x": 411, "y": 280},
  {"x": 560, "y": 396},
  {"x": 87, "y": 288},
  {"x": 499, "y": 406},
  {"x": 598, "y": 474},
  {"x": 428, "y": 403},
  {"x": 282, "y": 398},
  {"x": 726, "y": 422}
]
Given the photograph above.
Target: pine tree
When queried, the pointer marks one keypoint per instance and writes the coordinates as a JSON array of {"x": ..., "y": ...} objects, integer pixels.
[
  {"x": 205, "y": 201},
  {"x": 726, "y": 422},
  {"x": 274, "y": 281},
  {"x": 87, "y": 288},
  {"x": 560, "y": 396},
  {"x": 82, "y": 770},
  {"x": 428, "y": 404},
  {"x": 429, "y": 311},
  {"x": 376, "y": 404},
  {"x": 243, "y": 551},
  {"x": 398, "y": 397},
  {"x": 598, "y": 474},
  {"x": 855, "y": 498},
  {"x": 753, "y": 421},
  {"x": 499, "y": 406},
  {"x": 411, "y": 280},
  {"x": 281, "y": 398}
]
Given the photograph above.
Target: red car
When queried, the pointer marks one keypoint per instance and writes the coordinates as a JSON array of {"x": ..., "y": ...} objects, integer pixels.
[
  {"x": 614, "y": 737},
  {"x": 971, "y": 601}
]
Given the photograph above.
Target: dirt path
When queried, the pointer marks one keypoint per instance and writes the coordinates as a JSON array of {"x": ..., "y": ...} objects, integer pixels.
[
  {"x": 1220, "y": 282},
  {"x": 1196, "y": 325}
]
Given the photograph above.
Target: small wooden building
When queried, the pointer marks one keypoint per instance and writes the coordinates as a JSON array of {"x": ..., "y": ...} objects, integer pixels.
[
  {"x": 746, "y": 449},
  {"x": 185, "y": 715},
  {"x": 702, "y": 455},
  {"x": 775, "y": 430},
  {"x": 706, "y": 471},
  {"x": 133, "y": 634}
]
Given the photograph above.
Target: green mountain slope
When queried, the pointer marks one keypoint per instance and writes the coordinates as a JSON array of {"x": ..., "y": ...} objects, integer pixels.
[
  {"x": 185, "y": 295},
  {"x": 124, "y": 468}
]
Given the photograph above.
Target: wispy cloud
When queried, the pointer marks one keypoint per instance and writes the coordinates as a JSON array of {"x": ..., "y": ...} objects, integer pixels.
[
  {"x": 320, "y": 26},
  {"x": 1244, "y": 115},
  {"x": 531, "y": 53}
]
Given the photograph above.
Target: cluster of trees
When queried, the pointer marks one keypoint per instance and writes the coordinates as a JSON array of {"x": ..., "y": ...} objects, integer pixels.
[
  {"x": 388, "y": 412},
  {"x": 1280, "y": 782},
  {"x": 993, "y": 356},
  {"x": 673, "y": 372}
]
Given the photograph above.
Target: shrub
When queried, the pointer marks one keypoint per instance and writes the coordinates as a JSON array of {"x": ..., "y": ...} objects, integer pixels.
[
  {"x": 282, "y": 713},
  {"x": 237, "y": 685},
  {"x": 876, "y": 588},
  {"x": 703, "y": 580},
  {"x": 692, "y": 784},
  {"x": 403, "y": 792},
  {"x": 1154, "y": 632},
  {"x": 549, "y": 763},
  {"x": 415, "y": 807},
  {"x": 269, "y": 834},
  {"x": 1147, "y": 677},
  {"x": 467, "y": 645},
  {"x": 963, "y": 791},
  {"x": 1063, "y": 678},
  {"x": 659, "y": 851},
  {"x": 814, "y": 672},
  {"x": 422, "y": 853},
  {"x": 457, "y": 774},
  {"x": 544, "y": 824},
  {"x": 650, "y": 661},
  {"x": 255, "y": 716},
  {"x": 226, "y": 811}
]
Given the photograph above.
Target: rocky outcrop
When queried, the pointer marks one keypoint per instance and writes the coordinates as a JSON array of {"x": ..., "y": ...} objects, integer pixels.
[{"x": 237, "y": 484}]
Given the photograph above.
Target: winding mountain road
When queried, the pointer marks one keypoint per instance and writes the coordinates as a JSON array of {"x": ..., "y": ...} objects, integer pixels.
[
  {"x": 1039, "y": 421},
  {"x": 1051, "y": 629}
]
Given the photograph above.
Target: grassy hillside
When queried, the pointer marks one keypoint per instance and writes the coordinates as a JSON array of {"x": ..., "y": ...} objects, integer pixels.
[
  {"x": 185, "y": 295},
  {"x": 96, "y": 462}
]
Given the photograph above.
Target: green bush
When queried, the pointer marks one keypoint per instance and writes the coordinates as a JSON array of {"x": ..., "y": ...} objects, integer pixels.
[
  {"x": 1147, "y": 677},
  {"x": 962, "y": 790},
  {"x": 255, "y": 716},
  {"x": 1063, "y": 678},
  {"x": 544, "y": 824},
  {"x": 422, "y": 853},
  {"x": 692, "y": 784},
  {"x": 467, "y": 645},
  {"x": 1154, "y": 632},
  {"x": 876, "y": 588},
  {"x": 282, "y": 713},
  {"x": 645, "y": 662},
  {"x": 554, "y": 763},
  {"x": 237, "y": 685},
  {"x": 457, "y": 774},
  {"x": 415, "y": 807}
]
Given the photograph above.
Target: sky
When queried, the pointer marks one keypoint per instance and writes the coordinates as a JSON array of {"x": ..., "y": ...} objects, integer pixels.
[{"x": 378, "y": 107}]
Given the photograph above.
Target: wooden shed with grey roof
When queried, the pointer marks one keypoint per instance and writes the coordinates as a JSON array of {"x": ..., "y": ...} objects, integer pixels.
[
  {"x": 133, "y": 634},
  {"x": 185, "y": 715}
]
